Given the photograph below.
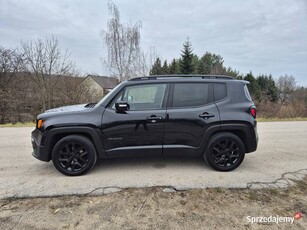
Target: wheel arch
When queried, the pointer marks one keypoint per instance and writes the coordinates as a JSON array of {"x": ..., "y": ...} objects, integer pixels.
[
  {"x": 243, "y": 130},
  {"x": 55, "y": 134}
]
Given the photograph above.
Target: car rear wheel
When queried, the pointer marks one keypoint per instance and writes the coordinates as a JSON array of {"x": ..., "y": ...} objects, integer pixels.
[
  {"x": 74, "y": 155},
  {"x": 225, "y": 152}
]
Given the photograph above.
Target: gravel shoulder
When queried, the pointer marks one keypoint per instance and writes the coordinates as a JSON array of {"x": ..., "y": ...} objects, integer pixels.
[{"x": 151, "y": 208}]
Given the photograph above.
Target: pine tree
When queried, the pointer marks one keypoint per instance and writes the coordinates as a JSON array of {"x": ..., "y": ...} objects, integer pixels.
[
  {"x": 186, "y": 63},
  {"x": 195, "y": 61},
  {"x": 211, "y": 63},
  {"x": 268, "y": 88},
  {"x": 233, "y": 73},
  {"x": 165, "y": 68},
  {"x": 156, "y": 68},
  {"x": 201, "y": 67},
  {"x": 172, "y": 69},
  {"x": 205, "y": 64},
  {"x": 253, "y": 86}
]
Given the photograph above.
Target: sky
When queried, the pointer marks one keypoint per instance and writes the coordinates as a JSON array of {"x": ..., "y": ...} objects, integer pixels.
[{"x": 262, "y": 36}]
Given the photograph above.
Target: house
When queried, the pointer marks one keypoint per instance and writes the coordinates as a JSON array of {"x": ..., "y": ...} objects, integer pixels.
[{"x": 101, "y": 85}]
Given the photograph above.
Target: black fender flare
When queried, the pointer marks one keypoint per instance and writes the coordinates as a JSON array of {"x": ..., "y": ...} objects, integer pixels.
[
  {"x": 212, "y": 129},
  {"x": 250, "y": 138},
  {"x": 93, "y": 133}
]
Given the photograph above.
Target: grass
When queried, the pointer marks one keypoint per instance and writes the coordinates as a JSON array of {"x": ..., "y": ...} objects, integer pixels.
[
  {"x": 18, "y": 124},
  {"x": 265, "y": 119}
]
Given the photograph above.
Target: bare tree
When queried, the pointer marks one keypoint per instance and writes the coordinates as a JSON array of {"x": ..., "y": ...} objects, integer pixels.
[
  {"x": 44, "y": 62},
  {"x": 71, "y": 91},
  {"x": 286, "y": 86},
  {"x": 123, "y": 46},
  {"x": 10, "y": 63},
  {"x": 153, "y": 55},
  {"x": 145, "y": 61},
  {"x": 141, "y": 65}
]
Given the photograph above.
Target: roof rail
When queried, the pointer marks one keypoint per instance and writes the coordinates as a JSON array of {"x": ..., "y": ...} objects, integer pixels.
[{"x": 154, "y": 77}]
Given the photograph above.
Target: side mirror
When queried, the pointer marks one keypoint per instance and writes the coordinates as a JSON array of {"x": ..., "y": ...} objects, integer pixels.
[{"x": 121, "y": 106}]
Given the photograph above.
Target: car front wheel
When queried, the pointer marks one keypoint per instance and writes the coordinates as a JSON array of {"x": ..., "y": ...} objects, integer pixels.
[
  {"x": 74, "y": 155},
  {"x": 225, "y": 152}
]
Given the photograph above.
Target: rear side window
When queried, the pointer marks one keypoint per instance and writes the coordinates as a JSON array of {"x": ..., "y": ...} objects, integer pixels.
[
  {"x": 220, "y": 91},
  {"x": 191, "y": 95}
]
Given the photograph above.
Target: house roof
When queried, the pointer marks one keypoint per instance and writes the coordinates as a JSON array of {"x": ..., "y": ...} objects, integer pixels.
[{"x": 105, "y": 82}]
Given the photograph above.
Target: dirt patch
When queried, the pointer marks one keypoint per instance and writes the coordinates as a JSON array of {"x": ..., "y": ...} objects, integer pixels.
[{"x": 151, "y": 208}]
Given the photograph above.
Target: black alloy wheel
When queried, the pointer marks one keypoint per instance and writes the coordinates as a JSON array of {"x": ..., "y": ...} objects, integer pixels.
[
  {"x": 74, "y": 155},
  {"x": 225, "y": 152}
]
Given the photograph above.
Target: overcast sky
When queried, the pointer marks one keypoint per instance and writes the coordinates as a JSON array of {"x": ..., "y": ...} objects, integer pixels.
[{"x": 265, "y": 36}]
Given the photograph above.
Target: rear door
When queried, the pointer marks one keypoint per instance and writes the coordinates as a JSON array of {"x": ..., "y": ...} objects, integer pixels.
[{"x": 191, "y": 115}]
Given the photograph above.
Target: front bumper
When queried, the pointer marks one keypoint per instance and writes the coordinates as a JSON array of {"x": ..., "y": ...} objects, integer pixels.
[{"x": 39, "y": 150}]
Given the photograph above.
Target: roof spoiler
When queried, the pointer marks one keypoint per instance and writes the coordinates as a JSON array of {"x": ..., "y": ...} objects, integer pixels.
[{"x": 245, "y": 82}]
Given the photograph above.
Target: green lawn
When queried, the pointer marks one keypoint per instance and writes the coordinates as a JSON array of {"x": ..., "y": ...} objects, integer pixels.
[{"x": 264, "y": 119}]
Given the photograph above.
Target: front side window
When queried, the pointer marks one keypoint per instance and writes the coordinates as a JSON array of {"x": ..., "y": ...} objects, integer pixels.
[
  {"x": 143, "y": 97},
  {"x": 191, "y": 95}
]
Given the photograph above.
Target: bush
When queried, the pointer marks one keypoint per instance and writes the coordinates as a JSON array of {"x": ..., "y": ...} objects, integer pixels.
[{"x": 276, "y": 110}]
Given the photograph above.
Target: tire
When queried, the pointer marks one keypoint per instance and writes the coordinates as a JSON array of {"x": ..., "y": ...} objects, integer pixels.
[
  {"x": 74, "y": 155},
  {"x": 224, "y": 152}
]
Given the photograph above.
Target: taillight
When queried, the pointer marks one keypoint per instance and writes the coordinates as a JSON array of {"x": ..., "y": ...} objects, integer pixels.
[{"x": 253, "y": 111}]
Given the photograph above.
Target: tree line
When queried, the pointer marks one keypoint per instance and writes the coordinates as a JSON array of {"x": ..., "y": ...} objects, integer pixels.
[
  {"x": 279, "y": 97},
  {"x": 37, "y": 75}
]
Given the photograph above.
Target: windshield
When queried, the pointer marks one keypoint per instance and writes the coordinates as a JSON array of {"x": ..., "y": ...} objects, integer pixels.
[{"x": 108, "y": 95}]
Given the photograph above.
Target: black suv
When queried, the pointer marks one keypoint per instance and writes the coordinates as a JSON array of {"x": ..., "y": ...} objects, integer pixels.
[{"x": 208, "y": 116}]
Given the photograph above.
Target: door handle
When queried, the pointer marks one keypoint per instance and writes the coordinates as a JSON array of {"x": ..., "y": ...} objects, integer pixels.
[
  {"x": 153, "y": 118},
  {"x": 206, "y": 115}
]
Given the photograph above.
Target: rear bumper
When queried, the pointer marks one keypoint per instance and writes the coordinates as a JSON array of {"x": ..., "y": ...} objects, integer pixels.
[
  {"x": 253, "y": 140},
  {"x": 39, "y": 150}
]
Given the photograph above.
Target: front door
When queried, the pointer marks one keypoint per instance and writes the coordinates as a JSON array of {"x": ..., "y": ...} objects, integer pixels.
[
  {"x": 138, "y": 131},
  {"x": 191, "y": 115}
]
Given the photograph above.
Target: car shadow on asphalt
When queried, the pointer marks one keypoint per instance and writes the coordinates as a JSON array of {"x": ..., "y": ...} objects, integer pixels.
[
  {"x": 155, "y": 163},
  {"x": 176, "y": 164}
]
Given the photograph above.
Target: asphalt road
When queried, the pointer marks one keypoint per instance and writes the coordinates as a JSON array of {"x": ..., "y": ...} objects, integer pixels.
[{"x": 282, "y": 149}]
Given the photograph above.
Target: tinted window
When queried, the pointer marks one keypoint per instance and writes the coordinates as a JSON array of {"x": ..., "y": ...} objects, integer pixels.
[
  {"x": 191, "y": 94},
  {"x": 220, "y": 91},
  {"x": 142, "y": 97}
]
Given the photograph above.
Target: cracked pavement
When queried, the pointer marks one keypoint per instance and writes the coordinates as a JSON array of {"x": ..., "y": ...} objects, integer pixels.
[{"x": 281, "y": 158}]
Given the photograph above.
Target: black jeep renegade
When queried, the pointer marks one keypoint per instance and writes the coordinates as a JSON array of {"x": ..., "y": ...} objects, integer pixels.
[{"x": 208, "y": 116}]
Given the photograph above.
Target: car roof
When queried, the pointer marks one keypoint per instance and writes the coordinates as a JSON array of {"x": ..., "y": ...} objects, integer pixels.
[
  {"x": 182, "y": 78},
  {"x": 177, "y": 76},
  {"x": 185, "y": 78}
]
